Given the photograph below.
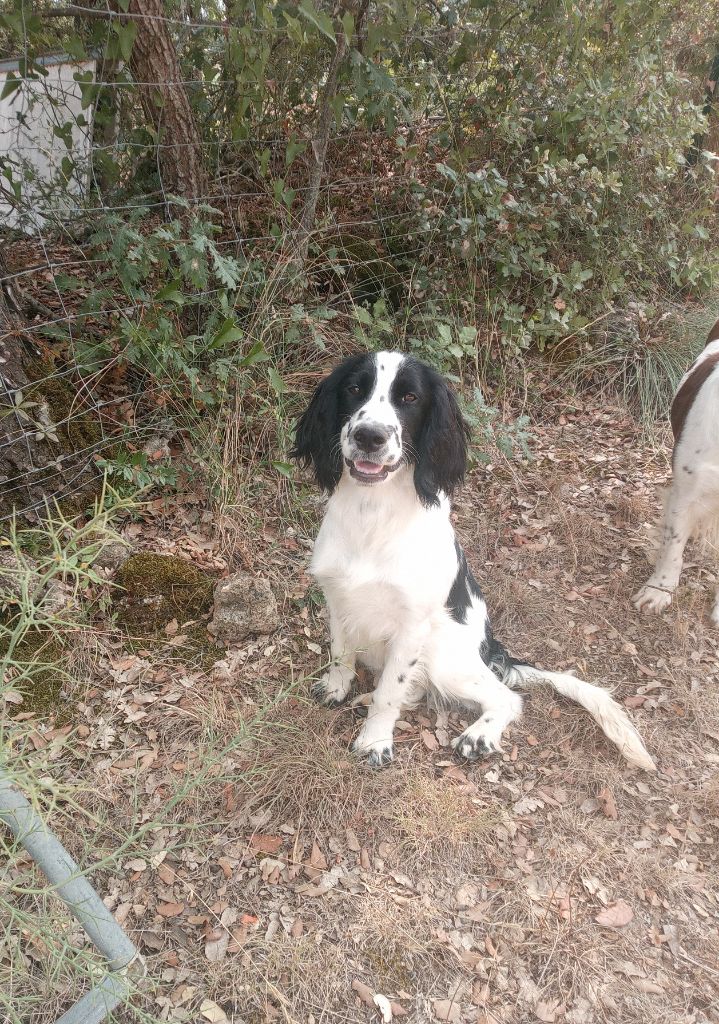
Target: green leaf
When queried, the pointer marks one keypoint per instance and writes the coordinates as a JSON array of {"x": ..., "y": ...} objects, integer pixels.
[
  {"x": 126, "y": 37},
  {"x": 284, "y": 468},
  {"x": 257, "y": 354},
  {"x": 293, "y": 149},
  {"x": 275, "y": 380},
  {"x": 228, "y": 332},
  {"x": 76, "y": 48},
  {"x": 11, "y": 84},
  {"x": 171, "y": 293},
  {"x": 316, "y": 18},
  {"x": 363, "y": 316},
  {"x": 227, "y": 269},
  {"x": 348, "y": 24}
]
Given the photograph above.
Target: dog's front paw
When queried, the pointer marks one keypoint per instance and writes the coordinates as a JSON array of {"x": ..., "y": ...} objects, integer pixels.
[
  {"x": 472, "y": 746},
  {"x": 377, "y": 752},
  {"x": 332, "y": 689},
  {"x": 652, "y": 599}
]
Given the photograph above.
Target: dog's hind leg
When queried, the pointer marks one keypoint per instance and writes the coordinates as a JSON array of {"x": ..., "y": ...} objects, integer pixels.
[{"x": 458, "y": 673}]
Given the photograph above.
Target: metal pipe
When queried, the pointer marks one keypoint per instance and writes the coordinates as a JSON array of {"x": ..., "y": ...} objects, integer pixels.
[
  {"x": 83, "y": 902},
  {"x": 98, "y": 1002}
]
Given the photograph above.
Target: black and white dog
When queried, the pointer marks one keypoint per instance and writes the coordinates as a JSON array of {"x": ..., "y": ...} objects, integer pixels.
[
  {"x": 692, "y": 505},
  {"x": 386, "y": 439}
]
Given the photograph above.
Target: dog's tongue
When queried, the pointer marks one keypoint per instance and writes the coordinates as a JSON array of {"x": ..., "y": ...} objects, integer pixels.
[{"x": 369, "y": 468}]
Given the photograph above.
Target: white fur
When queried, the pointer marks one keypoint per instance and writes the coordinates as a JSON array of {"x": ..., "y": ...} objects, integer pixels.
[
  {"x": 692, "y": 504},
  {"x": 386, "y": 564}
]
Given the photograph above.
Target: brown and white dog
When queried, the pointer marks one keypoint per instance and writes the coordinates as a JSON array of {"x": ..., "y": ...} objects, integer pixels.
[{"x": 692, "y": 505}]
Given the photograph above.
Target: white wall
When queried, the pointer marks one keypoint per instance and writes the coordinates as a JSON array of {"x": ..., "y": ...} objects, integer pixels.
[{"x": 27, "y": 118}]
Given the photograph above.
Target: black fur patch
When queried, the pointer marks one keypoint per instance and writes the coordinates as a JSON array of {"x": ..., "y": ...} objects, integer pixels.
[
  {"x": 335, "y": 400},
  {"x": 464, "y": 588}
]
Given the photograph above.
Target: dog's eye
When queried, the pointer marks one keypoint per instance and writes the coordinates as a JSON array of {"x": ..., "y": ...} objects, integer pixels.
[
  {"x": 409, "y": 397},
  {"x": 354, "y": 389}
]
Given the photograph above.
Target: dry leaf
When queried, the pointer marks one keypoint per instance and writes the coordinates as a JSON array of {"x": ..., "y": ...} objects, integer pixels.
[
  {"x": 645, "y": 985},
  {"x": 384, "y": 1006},
  {"x": 617, "y": 915},
  {"x": 137, "y": 864},
  {"x": 212, "y": 1012},
  {"x": 446, "y": 1009},
  {"x": 547, "y": 1010},
  {"x": 429, "y": 739},
  {"x": 265, "y": 844},
  {"x": 170, "y": 909},
  {"x": 363, "y": 991},
  {"x": 608, "y": 803},
  {"x": 216, "y": 946},
  {"x": 317, "y": 858}
]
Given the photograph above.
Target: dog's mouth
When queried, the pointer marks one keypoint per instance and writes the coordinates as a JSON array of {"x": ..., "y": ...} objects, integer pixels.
[{"x": 370, "y": 472}]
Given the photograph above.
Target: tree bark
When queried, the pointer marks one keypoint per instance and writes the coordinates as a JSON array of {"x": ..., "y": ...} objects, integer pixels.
[
  {"x": 38, "y": 463},
  {"x": 165, "y": 103}
]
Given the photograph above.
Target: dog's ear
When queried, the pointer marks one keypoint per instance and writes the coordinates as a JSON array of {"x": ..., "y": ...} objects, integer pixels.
[
  {"x": 317, "y": 434},
  {"x": 441, "y": 448}
]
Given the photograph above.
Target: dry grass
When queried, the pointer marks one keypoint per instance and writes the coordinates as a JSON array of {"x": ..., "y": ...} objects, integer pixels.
[
  {"x": 440, "y": 821},
  {"x": 478, "y": 884},
  {"x": 306, "y": 773}
]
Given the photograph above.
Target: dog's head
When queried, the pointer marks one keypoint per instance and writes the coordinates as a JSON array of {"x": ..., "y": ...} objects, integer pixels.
[{"x": 378, "y": 412}]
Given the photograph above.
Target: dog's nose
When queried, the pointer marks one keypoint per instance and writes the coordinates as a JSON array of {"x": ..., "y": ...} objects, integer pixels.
[{"x": 370, "y": 438}]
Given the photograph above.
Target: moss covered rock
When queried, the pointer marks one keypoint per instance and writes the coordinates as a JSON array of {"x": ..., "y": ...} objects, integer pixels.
[
  {"x": 40, "y": 664},
  {"x": 159, "y": 588}
]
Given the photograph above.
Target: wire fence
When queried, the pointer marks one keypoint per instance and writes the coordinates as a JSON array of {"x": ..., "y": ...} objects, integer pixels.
[{"x": 67, "y": 283}]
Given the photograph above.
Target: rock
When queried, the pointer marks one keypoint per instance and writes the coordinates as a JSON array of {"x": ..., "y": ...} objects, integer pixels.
[
  {"x": 112, "y": 554},
  {"x": 244, "y": 604}
]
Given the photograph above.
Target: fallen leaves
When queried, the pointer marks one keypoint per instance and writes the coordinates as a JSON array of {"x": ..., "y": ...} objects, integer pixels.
[
  {"x": 608, "y": 803},
  {"x": 447, "y": 1010},
  {"x": 549, "y": 1010},
  {"x": 616, "y": 915},
  {"x": 212, "y": 1012},
  {"x": 265, "y": 844},
  {"x": 170, "y": 909}
]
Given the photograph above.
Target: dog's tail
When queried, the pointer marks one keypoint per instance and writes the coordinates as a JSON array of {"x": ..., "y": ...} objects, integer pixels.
[{"x": 609, "y": 716}]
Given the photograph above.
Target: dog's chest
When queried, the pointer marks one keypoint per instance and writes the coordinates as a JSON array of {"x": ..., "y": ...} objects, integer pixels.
[{"x": 377, "y": 572}]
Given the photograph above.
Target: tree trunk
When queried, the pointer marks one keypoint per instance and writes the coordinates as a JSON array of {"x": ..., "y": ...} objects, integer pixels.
[
  {"x": 46, "y": 437},
  {"x": 165, "y": 103}
]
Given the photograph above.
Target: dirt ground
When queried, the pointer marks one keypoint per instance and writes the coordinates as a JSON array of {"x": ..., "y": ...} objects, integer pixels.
[{"x": 267, "y": 876}]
